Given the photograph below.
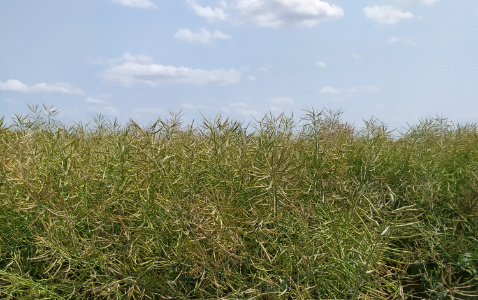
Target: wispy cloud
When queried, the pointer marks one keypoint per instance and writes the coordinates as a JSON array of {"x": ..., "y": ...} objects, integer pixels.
[
  {"x": 282, "y": 13},
  {"x": 244, "y": 109},
  {"x": 145, "y": 4},
  {"x": 92, "y": 100},
  {"x": 386, "y": 14},
  {"x": 426, "y": 2},
  {"x": 14, "y": 85},
  {"x": 330, "y": 90},
  {"x": 204, "y": 36},
  {"x": 140, "y": 59},
  {"x": 102, "y": 106},
  {"x": 404, "y": 41},
  {"x": 127, "y": 57},
  {"x": 350, "y": 91},
  {"x": 321, "y": 64},
  {"x": 355, "y": 56},
  {"x": 195, "y": 106},
  {"x": 147, "y": 113},
  {"x": 279, "y": 104},
  {"x": 211, "y": 14},
  {"x": 129, "y": 73},
  {"x": 280, "y": 101},
  {"x": 265, "y": 68},
  {"x": 364, "y": 89},
  {"x": 252, "y": 78}
]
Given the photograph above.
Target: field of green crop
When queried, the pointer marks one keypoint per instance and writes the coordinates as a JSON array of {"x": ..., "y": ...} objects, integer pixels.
[{"x": 278, "y": 209}]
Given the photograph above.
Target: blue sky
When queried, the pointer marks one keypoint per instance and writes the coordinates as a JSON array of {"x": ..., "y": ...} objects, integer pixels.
[{"x": 397, "y": 60}]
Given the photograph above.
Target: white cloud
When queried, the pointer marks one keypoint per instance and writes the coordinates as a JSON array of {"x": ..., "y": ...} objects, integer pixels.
[
  {"x": 329, "y": 90},
  {"x": 393, "y": 40},
  {"x": 364, "y": 89},
  {"x": 279, "y": 104},
  {"x": 100, "y": 106},
  {"x": 14, "y": 85},
  {"x": 143, "y": 113},
  {"x": 321, "y": 64},
  {"x": 141, "y": 59},
  {"x": 136, "y": 3},
  {"x": 95, "y": 100},
  {"x": 129, "y": 73},
  {"x": 280, "y": 101},
  {"x": 276, "y": 109},
  {"x": 280, "y": 13},
  {"x": 252, "y": 78},
  {"x": 192, "y": 106},
  {"x": 426, "y": 2},
  {"x": 145, "y": 4},
  {"x": 203, "y": 36},
  {"x": 211, "y": 14},
  {"x": 350, "y": 90},
  {"x": 386, "y": 14},
  {"x": 404, "y": 41},
  {"x": 266, "y": 68},
  {"x": 243, "y": 108}
]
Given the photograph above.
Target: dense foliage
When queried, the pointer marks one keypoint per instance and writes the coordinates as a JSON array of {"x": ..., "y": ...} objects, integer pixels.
[{"x": 313, "y": 209}]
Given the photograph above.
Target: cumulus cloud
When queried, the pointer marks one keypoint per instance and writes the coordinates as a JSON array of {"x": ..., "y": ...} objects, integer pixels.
[
  {"x": 281, "y": 13},
  {"x": 14, "y": 85},
  {"x": 211, "y": 14},
  {"x": 204, "y": 36},
  {"x": 136, "y": 3},
  {"x": 386, "y": 14},
  {"x": 133, "y": 72}
]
